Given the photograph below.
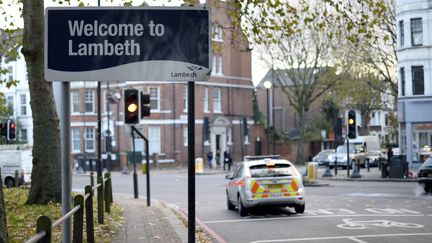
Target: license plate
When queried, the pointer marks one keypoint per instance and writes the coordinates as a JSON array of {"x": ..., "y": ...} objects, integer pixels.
[
  {"x": 275, "y": 194},
  {"x": 274, "y": 186}
]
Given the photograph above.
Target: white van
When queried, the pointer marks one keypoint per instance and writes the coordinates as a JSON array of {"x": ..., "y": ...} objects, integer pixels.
[
  {"x": 368, "y": 142},
  {"x": 13, "y": 159}
]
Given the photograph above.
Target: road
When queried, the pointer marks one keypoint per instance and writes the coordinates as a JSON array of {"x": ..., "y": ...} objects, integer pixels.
[{"x": 344, "y": 211}]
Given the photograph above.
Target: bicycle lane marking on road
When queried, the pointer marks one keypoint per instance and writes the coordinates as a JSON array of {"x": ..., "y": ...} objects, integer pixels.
[
  {"x": 365, "y": 224},
  {"x": 351, "y": 237}
]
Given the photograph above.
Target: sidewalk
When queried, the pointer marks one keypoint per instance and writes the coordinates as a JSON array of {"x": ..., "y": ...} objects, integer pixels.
[{"x": 156, "y": 223}]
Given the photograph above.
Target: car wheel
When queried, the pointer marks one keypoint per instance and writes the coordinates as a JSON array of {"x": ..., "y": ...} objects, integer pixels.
[
  {"x": 230, "y": 206},
  {"x": 299, "y": 208},
  {"x": 9, "y": 182},
  {"x": 427, "y": 188},
  {"x": 241, "y": 209}
]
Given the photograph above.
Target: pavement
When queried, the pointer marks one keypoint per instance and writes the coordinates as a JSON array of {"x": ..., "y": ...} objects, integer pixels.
[{"x": 162, "y": 222}]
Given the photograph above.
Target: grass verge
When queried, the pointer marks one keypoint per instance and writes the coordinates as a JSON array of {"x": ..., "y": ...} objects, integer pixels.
[{"x": 21, "y": 218}]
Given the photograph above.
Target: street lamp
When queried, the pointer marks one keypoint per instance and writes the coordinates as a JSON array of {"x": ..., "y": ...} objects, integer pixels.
[{"x": 268, "y": 85}]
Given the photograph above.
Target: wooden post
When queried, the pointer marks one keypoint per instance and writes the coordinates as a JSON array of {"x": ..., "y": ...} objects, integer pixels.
[
  {"x": 78, "y": 223},
  {"x": 89, "y": 214}
]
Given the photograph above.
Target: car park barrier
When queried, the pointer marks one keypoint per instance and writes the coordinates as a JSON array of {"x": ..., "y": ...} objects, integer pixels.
[{"x": 44, "y": 225}]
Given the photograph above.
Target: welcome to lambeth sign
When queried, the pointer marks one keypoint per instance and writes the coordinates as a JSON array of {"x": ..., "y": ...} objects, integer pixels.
[{"x": 127, "y": 44}]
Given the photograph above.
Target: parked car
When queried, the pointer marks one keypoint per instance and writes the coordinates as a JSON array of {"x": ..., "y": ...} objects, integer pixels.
[
  {"x": 12, "y": 160},
  {"x": 265, "y": 182},
  {"x": 375, "y": 157},
  {"x": 425, "y": 175},
  {"x": 323, "y": 157},
  {"x": 357, "y": 156}
]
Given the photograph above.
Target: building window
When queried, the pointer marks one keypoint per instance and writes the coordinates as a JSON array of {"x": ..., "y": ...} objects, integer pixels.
[
  {"x": 217, "y": 65},
  {"x": 217, "y": 33},
  {"x": 89, "y": 140},
  {"x": 10, "y": 73},
  {"x": 10, "y": 102},
  {"x": 24, "y": 135},
  {"x": 416, "y": 32},
  {"x": 154, "y": 98},
  {"x": 23, "y": 101},
  {"x": 75, "y": 101},
  {"x": 89, "y": 101},
  {"x": 105, "y": 101},
  {"x": 402, "y": 76},
  {"x": 185, "y": 98},
  {"x": 229, "y": 136},
  {"x": 205, "y": 100},
  {"x": 185, "y": 136},
  {"x": 417, "y": 80},
  {"x": 154, "y": 139},
  {"x": 217, "y": 95},
  {"x": 401, "y": 33},
  {"x": 76, "y": 139}
]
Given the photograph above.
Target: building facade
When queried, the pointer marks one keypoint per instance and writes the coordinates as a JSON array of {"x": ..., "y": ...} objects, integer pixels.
[
  {"x": 414, "y": 26},
  {"x": 18, "y": 98}
]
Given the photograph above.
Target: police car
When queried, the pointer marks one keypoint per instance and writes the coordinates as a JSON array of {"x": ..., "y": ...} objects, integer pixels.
[{"x": 263, "y": 181}]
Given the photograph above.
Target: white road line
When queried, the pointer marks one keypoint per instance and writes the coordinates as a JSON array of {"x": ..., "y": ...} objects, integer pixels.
[
  {"x": 342, "y": 237},
  {"x": 313, "y": 216},
  {"x": 356, "y": 240}
]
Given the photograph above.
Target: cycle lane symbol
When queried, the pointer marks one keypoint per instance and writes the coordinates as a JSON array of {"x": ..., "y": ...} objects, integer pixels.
[{"x": 364, "y": 224}]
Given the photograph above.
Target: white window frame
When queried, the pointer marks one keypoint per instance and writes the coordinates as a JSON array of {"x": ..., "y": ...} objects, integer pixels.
[
  {"x": 417, "y": 33},
  {"x": 10, "y": 73},
  {"x": 75, "y": 100},
  {"x": 154, "y": 137},
  {"x": 185, "y": 136},
  {"x": 217, "y": 33},
  {"x": 401, "y": 33},
  {"x": 217, "y": 65},
  {"x": 89, "y": 99},
  {"x": 229, "y": 136},
  {"x": 217, "y": 100},
  {"x": 23, "y": 104},
  {"x": 205, "y": 100},
  {"x": 89, "y": 138},
  {"x": 10, "y": 102},
  {"x": 76, "y": 138},
  {"x": 185, "y": 98},
  {"x": 22, "y": 137},
  {"x": 154, "y": 98}
]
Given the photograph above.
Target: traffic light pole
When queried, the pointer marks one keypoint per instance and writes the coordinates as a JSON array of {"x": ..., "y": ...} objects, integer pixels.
[
  {"x": 135, "y": 176},
  {"x": 147, "y": 161},
  {"x": 348, "y": 163}
]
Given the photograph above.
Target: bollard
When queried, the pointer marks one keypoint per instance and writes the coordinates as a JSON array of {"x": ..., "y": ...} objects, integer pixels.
[
  {"x": 44, "y": 224},
  {"x": 327, "y": 172},
  {"x": 100, "y": 198},
  {"x": 368, "y": 165},
  {"x": 107, "y": 193},
  {"x": 355, "y": 173},
  {"x": 312, "y": 171},
  {"x": 91, "y": 179},
  {"x": 199, "y": 165},
  {"x": 16, "y": 182},
  {"x": 89, "y": 214},
  {"x": 78, "y": 219}
]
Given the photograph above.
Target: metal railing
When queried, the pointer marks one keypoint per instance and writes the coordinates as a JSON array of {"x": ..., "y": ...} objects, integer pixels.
[{"x": 45, "y": 226}]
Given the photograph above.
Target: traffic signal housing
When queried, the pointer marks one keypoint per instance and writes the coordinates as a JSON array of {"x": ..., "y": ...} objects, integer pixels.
[
  {"x": 3, "y": 128},
  {"x": 352, "y": 126},
  {"x": 131, "y": 111},
  {"x": 145, "y": 105}
]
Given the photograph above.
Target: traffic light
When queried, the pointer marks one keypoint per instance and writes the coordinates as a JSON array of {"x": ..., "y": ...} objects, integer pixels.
[
  {"x": 131, "y": 111},
  {"x": 3, "y": 127},
  {"x": 145, "y": 105},
  {"x": 352, "y": 133}
]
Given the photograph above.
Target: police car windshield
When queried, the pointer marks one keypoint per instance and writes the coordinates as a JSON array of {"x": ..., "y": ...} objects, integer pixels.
[
  {"x": 343, "y": 149},
  {"x": 271, "y": 170}
]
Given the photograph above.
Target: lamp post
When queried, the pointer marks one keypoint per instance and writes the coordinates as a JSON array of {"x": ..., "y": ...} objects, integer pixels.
[{"x": 268, "y": 85}]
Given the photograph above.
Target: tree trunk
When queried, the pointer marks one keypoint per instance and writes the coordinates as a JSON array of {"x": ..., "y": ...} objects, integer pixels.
[
  {"x": 4, "y": 237},
  {"x": 46, "y": 174},
  {"x": 300, "y": 148}
]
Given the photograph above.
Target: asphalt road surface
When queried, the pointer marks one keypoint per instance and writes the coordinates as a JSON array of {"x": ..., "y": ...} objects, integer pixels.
[{"x": 343, "y": 211}]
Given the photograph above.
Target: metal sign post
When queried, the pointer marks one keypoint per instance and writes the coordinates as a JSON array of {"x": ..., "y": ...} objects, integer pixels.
[{"x": 191, "y": 162}]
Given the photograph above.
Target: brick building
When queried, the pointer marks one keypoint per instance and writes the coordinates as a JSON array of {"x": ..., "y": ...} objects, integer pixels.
[{"x": 223, "y": 104}]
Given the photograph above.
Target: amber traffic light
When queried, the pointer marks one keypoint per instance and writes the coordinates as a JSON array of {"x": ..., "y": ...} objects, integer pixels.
[
  {"x": 352, "y": 131},
  {"x": 131, "y": 106}
]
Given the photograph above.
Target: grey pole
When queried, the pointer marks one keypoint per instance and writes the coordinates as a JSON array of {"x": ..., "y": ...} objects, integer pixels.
[
  {"x": 66, "y": 173},
  {"x": 191, "y": 162}
]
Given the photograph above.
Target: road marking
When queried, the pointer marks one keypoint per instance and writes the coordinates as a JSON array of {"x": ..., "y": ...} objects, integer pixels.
[
  {"x": 391, "y": 210},
  {"x": 364, "y": 224},
  {"x": 343, "y": 237},
  {"x": 356, "y": 240},
  {"x": 250, "y": 219}
]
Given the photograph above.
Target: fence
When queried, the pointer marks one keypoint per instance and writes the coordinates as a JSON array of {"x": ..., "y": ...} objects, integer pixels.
[{"x": 44, "y": 226}]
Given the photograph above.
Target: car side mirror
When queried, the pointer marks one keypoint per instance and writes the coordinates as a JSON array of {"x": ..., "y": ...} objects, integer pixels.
[{"x": 228, "y": 177}]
